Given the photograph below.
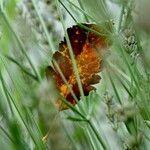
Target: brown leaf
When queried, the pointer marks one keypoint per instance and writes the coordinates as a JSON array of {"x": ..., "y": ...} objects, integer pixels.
[{"x": 87, "y": 47}]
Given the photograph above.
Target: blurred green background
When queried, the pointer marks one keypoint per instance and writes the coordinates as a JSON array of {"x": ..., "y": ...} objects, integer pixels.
[{"x": 115, "y": 116}]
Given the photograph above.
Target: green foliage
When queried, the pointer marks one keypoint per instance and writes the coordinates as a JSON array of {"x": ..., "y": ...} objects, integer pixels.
[{"x": 115, "y": 116}]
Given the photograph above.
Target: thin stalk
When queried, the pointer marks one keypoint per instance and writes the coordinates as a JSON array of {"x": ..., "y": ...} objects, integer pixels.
[
  {"x": 123, "y": 84},
  {"x": 121, "y": 18},
  {"x": 1, "y": 5},
  {"x": 64, "y": 79},
  {"x": 22, "y": 68},
  {"x": 100, "y": 139},
  {"x": 140, "y": 49},
  {"x": 68, "y": 11},
  {"x": 88, "y": 121},
  {"x": 49, "y": 38},
  {"x": 90, "y": 17},
  {"x": 72, "y": 107},
  {"x": 127, "y": 62},
  {"x": 6, "y": 94},
  {"x": 119, "y": 71},
  {"x": 36, "y": 128},
  {"x": 75, "y": 68},
  {"x": 74, "y": 145},
  {"x": 102, "y": 4},
  {"x": 114, "y": 87},
  {"x": 21, "y": 116},
  {"x": 134, "y": 79},
  {"x": 34, "y": 122},
  {"x": 67, "y": 84},
  {"x": 7, "y": 134},
  {"x": 82, "y": 25},
  {"x": 25, "y": 124},
  {"x": 91, "y": 140},
  {"x": 128, "y": 125},
  {"x": 91, "y": 30},
  {"x": 81, "y": 10},
  {"x": 45, "y": 138},
  {"x": 86, "y": 18},
  {"x": 5, "y": 18}
]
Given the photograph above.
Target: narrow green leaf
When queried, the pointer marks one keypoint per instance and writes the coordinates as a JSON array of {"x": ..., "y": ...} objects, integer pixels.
[{"x": 22, "y": 68}]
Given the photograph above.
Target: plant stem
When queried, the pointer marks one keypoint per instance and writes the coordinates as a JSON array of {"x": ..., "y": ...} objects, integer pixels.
[
  {"x": 86, "y": 18},
  {"x": 49, "y": 38},
  {"x": 81, "y": 10},
  {"x": 75, "y": 68},
  {"x": 22, "y": 68},
  {"x": 78, "y": 77},
  {"x": 19, "y": 43},
  {"x": 38, "y": 146},
  {"x": 7, "y": 134},
  {"x": 6, "y": 94},
  {"x": 121, "y": 18},
  {"x": 68, "y": 11},
  {"x": 97, "y": 135}
]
